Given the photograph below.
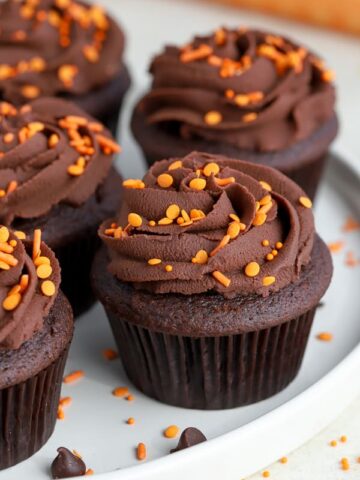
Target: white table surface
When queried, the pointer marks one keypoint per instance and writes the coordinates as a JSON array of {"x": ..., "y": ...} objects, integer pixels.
[{"x": 316, "y": 460}]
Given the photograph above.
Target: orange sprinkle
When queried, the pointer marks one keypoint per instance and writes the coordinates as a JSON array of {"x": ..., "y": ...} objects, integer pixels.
[
  {"x": 325, "y": 336},
  {"x": 74, "y": 376},
  {"x": 171, "y": 432},
  {"x": 333, "y": 443},
  {"x": 350, "y": 260},
  {"x": 265, "y": 185},
  {"x": 252, "y": 269},
  {"x": 130, "y": 398},
  {"x": 130, "y": 421},
  {"x": 11, "y": 302},
  {"x": 165, "y": 221},
  {"x": 173, "y": 211},
  {"x": 141, "y": 451},
  {"x": 345, "y": 465},
  {"x": 108, "y": 143},
  {"x": 260, "y": 219},
  {"x": 197, "y": 184},
  {"x": 134, "y": 220},
  {"x": 154, "y": 261},
  {"x": 169, "y": 268},
  {"x": 175, "y": 165},
  {"x": 120, "y": 391},
  {"x": 165, "y": 180},
  {"x": 110, "y": 354},
  {"x": 53, "y": 140},
  {"x": 60, "y": 414},
  {"x": 65, "y": 401},
  {"x": 4, "y": 234},
  {"x": 224, "y": 241},
  {"x": 48, "y": 288},
  {"x": 351, "y": 225},
  {"x": 12, "y": 187},
  {"x": 267, "y": 281},
  {"x": 223, "y": 182},
  {"x": 221, "y": 278},
  {"x": 249, "y": 117},
  {"x": 8, "y": 137},
  {"x": 343, "y": 438},
  {"x": 30, "y": 91},
  {"x": 336, "y": 247},
  {"x": 283, "y": 460},
  {"x": 200, "y": 258},
  {"x": 191, "y": 55},
  {"x": 305, "y": 202},
  {"x": 211, "y": 168},
  {"x": 36, "y": 244},
  {"x": 89, "y": 471},
  {"x": 152, "y": 223},
  {"x": 212, "y": 118},
  {"x": 266, "y": 474}
]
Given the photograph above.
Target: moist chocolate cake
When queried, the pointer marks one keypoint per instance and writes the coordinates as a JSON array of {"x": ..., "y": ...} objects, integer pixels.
[
  {"x": 243, "y": 93},
  {"x": 36, "y": 325},
  {"x": 56, "y": 174},
  {"x": 211, "y": 277},
  {"x": 63, "y": 48}
]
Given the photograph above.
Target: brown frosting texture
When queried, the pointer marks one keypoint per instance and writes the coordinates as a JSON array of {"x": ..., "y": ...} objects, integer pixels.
[
  {"x": 209, "y": 223},
  {"x": 55, "y": 47},
  {"x": 50, "y": 152},
  {"x": 29, "y": 283},
  {"x": 250, "y": 89}
]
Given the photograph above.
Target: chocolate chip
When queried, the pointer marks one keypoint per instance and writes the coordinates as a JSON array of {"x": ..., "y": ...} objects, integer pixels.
[
  {"x": 190, "y": 436},
  {"x": 67, "y": 465}
]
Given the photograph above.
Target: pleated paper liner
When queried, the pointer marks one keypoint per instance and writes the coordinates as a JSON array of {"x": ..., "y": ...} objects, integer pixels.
[
  {"x": 212, "y": 372},
  {"x": 28, "y": 413}
]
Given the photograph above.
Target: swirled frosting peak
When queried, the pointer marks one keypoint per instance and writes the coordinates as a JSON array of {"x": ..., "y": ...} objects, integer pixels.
[
  {"x": 246, "y": 88},
  {"x": 50, "y": 152},
  {"x": 206, "y": 222},
  {"x": 54, "y": 47},
  {"x": 29, "y": 283}
]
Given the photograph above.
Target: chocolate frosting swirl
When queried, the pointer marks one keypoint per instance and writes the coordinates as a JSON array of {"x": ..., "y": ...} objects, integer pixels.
[
  {"x": 273, "y": 239},
  {"x": 55, "y": 47},
  {"x": 50, "y": 152},
  {"x": 21, "y": 323},
  {"x": 250, "y": 89}
]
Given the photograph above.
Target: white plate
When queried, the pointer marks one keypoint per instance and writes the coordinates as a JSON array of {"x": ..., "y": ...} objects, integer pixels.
[{"x": 242, "y": 440}]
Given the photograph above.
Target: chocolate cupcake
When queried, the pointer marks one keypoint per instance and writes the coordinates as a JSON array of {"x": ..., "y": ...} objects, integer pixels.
[
  {"x": 63, "y": 48},
  {"x": 56, "y": 174},
  {"x": 210, "y": 279},
  {"x": 36, "y": 326},
  {"x": 245, "y": 94}
]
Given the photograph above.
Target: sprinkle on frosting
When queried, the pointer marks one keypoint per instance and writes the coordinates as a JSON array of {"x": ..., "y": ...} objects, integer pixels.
[
  {"x": 24, "y": 301},
  {"x": 253, "y": 90},
  {"x": 65, "y": 153},
  {"x": 58, "y": 46},
  {"x": 232, "y": 237}
]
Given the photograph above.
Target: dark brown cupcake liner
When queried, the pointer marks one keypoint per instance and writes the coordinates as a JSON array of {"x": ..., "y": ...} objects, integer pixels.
[
  {"x": 76, "y": 259},
  {"x": 28, "y": 413},
  {"x": 212, "y": 372}
]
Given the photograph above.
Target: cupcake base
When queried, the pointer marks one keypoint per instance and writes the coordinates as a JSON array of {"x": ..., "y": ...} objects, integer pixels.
[
  {"x": 105, "y": 103},
  {"x": 304, "y": 162},
  {"x": 30, "y": 383},
  {"x": 72, "y": 234},
  {"x": 205, "y": 352}
]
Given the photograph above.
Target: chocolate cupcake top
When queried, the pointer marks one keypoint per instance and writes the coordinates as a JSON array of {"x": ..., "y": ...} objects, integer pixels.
[
  {"x": 54, "y": 47},
  {"x": 29, "y": 283},
  {"x": 50, "y": 152},
  {"x": 209, "y": 223},
  {"x": 247, "y": 88}
]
